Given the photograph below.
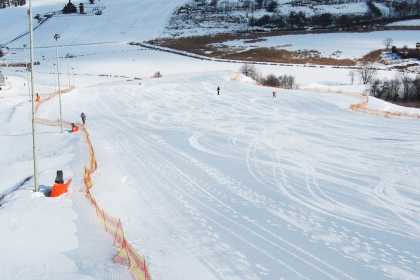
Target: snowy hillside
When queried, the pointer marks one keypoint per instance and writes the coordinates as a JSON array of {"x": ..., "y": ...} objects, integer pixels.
[
  {"x": 236, "y": 186},
  {"x": 201, "y": 17},
  {"x": 121, "y": 20}
]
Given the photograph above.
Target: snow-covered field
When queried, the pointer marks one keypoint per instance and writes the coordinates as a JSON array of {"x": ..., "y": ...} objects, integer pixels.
[
  {"x": 378, "y": 104},
  {"x": 411, "y": 22},
  {"x": 237, "y": 186},
  {"x": 341, "y": 45},
  {"x": 247, "y": 187},
  {"x": 44, "y": 238},
  {"x": 225, "y": 20},
  {"x": 337, "y": 9}
]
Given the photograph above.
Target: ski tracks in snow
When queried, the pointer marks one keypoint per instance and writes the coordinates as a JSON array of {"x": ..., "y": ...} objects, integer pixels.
[{"x": 309, "y": 204}]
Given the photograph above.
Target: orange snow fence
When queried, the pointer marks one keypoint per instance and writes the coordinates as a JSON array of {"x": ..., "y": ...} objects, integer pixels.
[
  {"x": 359, "y": 107},
  {"x": 126, "y": 255},
  {"x": 39, "y": 102},
  {"x": 364, "y": 107}
]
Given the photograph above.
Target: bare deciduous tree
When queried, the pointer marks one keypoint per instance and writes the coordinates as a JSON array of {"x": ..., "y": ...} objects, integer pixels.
[
  {"x": 282, "y": 81},
  {"x": 367, "y": 73},
  {"x": 287, "y": 81},
  {"x": 271, "y": 81},
  {"x": 406, "y": 83},
  {"x": 250, "y": 71},
  {"x": 401, "y": 88},
  {"x": 352, "y": 76},
  {"x": 388, "y": 43}
]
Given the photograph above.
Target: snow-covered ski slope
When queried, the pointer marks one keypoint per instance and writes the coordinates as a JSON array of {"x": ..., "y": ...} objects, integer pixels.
[
  {"x": 45, "y": 238},
  {"x": 236, "y": 186},
  {"x": 122, "y": 20},
  {"x": 241, "y": 186}
]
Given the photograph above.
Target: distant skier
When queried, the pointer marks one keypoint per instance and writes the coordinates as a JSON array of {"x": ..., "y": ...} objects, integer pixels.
[
  {"x": 218, "y": 90},
  {"x": 274, "y": 94},
  {"x": 83, "y": 117}
]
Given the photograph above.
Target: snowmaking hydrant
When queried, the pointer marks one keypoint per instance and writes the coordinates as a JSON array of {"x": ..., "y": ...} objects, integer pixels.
[{"x": 60, "y": 187}]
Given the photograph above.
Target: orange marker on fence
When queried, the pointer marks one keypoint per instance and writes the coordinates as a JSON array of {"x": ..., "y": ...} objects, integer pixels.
[{"x": 74, "y": 128}]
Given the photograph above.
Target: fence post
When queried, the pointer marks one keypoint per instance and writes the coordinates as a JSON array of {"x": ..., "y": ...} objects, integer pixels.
[
  {"x": 145, "y": 269},
  {"x": 125, "y": 247}
]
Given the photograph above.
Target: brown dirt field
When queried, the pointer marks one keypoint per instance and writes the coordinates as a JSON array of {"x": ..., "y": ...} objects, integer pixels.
[
  {"x": 372, "y": 56},
  {"x": 204, "y": 45},
  {"x": 284, "y": 56}
]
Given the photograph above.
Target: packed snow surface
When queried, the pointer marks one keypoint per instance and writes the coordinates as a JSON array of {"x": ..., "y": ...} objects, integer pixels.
[
  {"x": 250, "y": 187},
  {"x": 379, "y": 104},
  {"x": 43, "y": 238},
  {"x": 236, "y": 186}
]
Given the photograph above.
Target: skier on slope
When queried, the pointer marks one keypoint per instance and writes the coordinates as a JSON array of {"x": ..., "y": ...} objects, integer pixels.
[
  {"x": 218, "y": 90},
  {"x": 83, "y": 117}
]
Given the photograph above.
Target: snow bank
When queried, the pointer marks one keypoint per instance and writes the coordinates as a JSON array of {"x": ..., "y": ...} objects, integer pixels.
[
  {"x": 381, "y": 105},
  {"x": 410, "y": 22},
  {"x": 44, "y": 238}
]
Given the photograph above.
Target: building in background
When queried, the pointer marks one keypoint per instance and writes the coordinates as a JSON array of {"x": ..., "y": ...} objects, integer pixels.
[{"x": 8, "y": 3}]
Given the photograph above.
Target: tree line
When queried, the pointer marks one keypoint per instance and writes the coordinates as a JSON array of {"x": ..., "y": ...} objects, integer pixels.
[
  {"x": 271, "y": 80},
  {"x": 402, "y": 88},
  {"x": 293, "y": 20},
  {"x": 9, "y": 3},
  {"x": 301, "y": 20}
]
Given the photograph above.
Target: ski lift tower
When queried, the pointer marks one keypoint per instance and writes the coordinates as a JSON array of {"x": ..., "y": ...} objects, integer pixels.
[{"x": 32, "y": 58}]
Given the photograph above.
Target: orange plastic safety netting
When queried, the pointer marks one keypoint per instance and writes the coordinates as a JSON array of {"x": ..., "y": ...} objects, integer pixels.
[
  {"x": 364, "y": 107},
  {"x": 126, "y": 255},
  {"x": 51, "y": 96}
]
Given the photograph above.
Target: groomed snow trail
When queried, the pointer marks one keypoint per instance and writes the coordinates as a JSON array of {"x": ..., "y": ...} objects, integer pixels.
[
  {"x": 45, "y": 238},
  {"x": 233, "y": 187},
  {"x": 244, "y": 186}
]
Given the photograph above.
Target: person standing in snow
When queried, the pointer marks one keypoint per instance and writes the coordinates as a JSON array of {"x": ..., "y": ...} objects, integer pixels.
[
  {"x": 218, "y": 90},
  {"x": 274, "y": 94},
  {"x": 83, "y": 117}
]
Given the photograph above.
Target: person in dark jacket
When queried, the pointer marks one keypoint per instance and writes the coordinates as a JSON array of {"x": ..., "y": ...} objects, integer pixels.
[
  {"x": 83, "y": 117},
  {"x": 218, "y": 90}
]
